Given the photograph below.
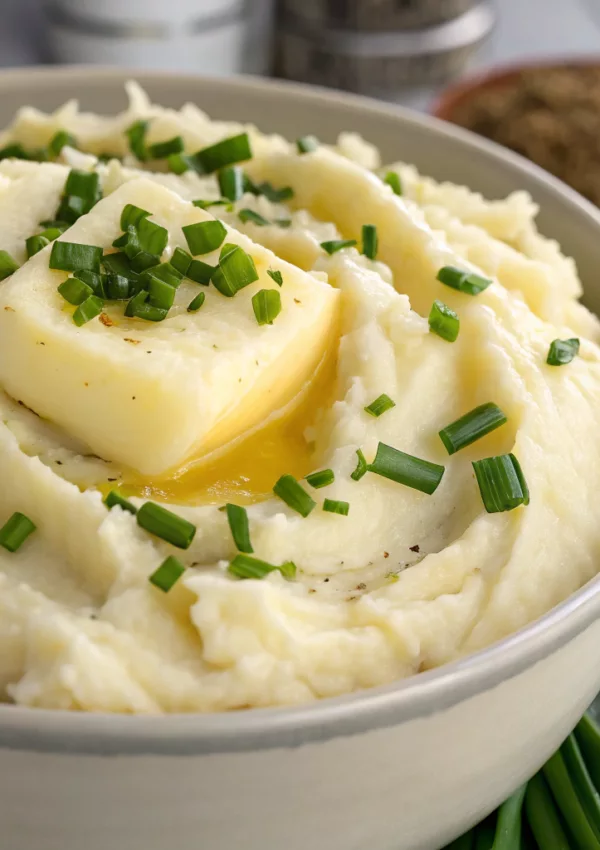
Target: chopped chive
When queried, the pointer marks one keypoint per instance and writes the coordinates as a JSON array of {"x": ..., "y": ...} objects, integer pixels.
[
  {"x": 562, "y": 351},
  {"x": 88, "y": 310},
  {"x": 8, "y": 266},
  {"x": 161, "y": 150},
  {"x": 283, "y": 222},
  {"x": 231, "y": 182},
  {"x": 334, "y": 245},
  {"x": 55, "y": 223},
  {"x": 75, "y": 291},
  {"x": 136, "y": 135},
  {"x": 94, "y": 280},
  {"x": 237, "y": 518},
  {"x": 236, "y": 270},
  {"x": 200, "y": 272},
  {"x": 472, "y": 426},
  {"x": 319, "y": 479},
  {"x": 71, "y": 256},
  {"x": 181, "y": 261},
  {"x": 113, "y": 498},
  {"x": 244, "y": 566},
  {"x": 218, "y": 202},
  {"x": 146, "y": 237},
  {"x": 196, "y": 303},
  {"x": 121, "y": 240},
  {"x": 443, "y": 321},
  {"x": 246, "y": 215},
  {"x": 14, "y": 151},
  {"x": 119, "y": 263},
  {"x": 166, "y": 525},
  {"x": 204, "y": 236},
  {"x": 168, "y": 574},
  {"x": 295, "y": 496},
  {"x": 132, "y": 215},
  {"x": 467, "y": 282},
  {"x": 307, "y": 144},
  {"x": 16, "y": 531},
  {"x": 381, "y": 404},
  {"x": 34, "y": 244},
  {"x": 362, "y": 466},
  {"x": 117, "y": 287},
  {"x": 405, "y": 469},
  {"x": 276, "y": 196},
  {"x": 51, "y": 233},
  {"x": 370, "y": 241},
  {"x": 394, "y": 181},
  {"x": 83, "y": 184},
  {"x": 72, "y": 207},
  {"x": 178, "y": 163},
  {"x": 135, "y": 303},
  {"x": 161, "y": 294},
  {"x": 266, "y": 304},
  {"x": 334, "y": 506},
  {"x": 501, "y": 483},
  {"x": 59, "y": 140},
  {"x": 227, "y": 152},
  {"x": 164, "y": 272},
  {"x": 149, "y": 312},
  {"x": 276, "y": 276},
  {"x": 143, "y": 261},
  {"x": 226, "y": 249}
]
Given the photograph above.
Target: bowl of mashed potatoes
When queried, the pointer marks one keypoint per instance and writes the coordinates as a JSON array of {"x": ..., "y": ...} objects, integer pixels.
[{"x": 298, "y": 452}]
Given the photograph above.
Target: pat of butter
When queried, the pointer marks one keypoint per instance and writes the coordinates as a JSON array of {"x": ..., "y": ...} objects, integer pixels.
[{"x": 152, "y": 395}]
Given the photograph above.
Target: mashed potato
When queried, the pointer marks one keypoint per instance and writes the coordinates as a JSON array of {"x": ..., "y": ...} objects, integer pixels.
[{"x": 210, "y": 408}]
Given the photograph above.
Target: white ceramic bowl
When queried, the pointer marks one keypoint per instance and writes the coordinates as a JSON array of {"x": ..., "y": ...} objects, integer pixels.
[{"x": 403, "y": 767}]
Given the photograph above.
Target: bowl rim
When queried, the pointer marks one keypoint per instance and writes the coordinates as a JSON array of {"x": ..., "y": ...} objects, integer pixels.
[{"x": 62, "y": 731}]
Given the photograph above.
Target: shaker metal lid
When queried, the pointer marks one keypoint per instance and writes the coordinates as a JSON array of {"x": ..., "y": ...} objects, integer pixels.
[{"x": 372, "y": 15}]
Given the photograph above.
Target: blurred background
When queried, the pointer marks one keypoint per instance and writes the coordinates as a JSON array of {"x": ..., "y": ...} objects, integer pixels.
[{"x": 443, "y": 56}]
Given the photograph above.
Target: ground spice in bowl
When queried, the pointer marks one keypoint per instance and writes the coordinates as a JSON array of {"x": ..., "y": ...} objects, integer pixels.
[{"x": 549, "y": 114}]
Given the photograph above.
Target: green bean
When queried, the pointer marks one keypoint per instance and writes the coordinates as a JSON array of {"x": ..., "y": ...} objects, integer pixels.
[
  {"x": 582, "y": 783},
  {"x": 465, "y": 842},
  {"x": 588, "y": 738},
  {"x": 555, "y": 772},
  {"x": 543, "y": 817},
  {"x": 484, "y": 834},
  {"x": 508, "y": 829}
]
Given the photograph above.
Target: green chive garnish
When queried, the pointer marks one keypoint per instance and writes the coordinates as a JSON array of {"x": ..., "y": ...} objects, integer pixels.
[
  {"x": 96, "y": 281},
  {"x": 134, "y": 304},
  {"x": 394, "y": 181},
  {"x": 231, "y": 182},
  {"x": 119, "y": 263},
  {"x": 370, "y": 241},
  {"x": 276, "y": 196},
  {"x": 117, "y": 287},
  {"x": 362, "y": 466},
  {"x": 334, "y": 245},
  {"x": 205, "y": 236},
  {"x": 146, "y": 237},
  {"x": 181, "y": 261},
  {"x": 161, "y": 150},
  {"x": 113, "y": 498},
  {"x": 161, "y": 294},
  {"x": 166, "y": 525},
  {"x": 307, "y": 144},
  {"x": 381, "y": 404},
  {"x": 196, "y": 303},
  {"x": 244, "y": 566},
  {"x": 55, "y": 223},
  {"x": 149, "y": 312},
  {"x": 227, "y": 152},
  {"x": 132, "y": 215},
  {"x": 562, "y": 351},
  {"x": 249, "y": 215},
  {"x": 179, "y": 163},
  {"x": 71, "y": 256},
  {"x": 137, "y": 139},
  {"x": 88, "y": 310},
  {"x": 168, "y": 574},
  {"x": 283, "y": 222},
  {"x": 333, "y": 506},
  {"x": 443, "y": 321},
  {"x": 236, "y": 270},
  {"x": 276, "y": 276},
  {"x": 8, "y": 266},
  {"x": 218, "y": 202},
  {"x": 59, "y": 140},
  {"x": 319, "y": 479},
  {"x": 75, "y": 291},
  {"x": 295, "y": 496},
  {"x": 237, "y": 518},
  {"x": 405, "y": 469},
  {"x": 34, "y": 244},
  {"x": 467, "y": 282},
  {"x": 471, "y": 427},
  {"x": 16, "y": 531},
  {"x": 266, "y": 304},
  {"x": 200, "y": 272},
  {"x": 82, "y": 191},
  {"x": 501, "y": 483},
  {"x": 14, "y": 151}
]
